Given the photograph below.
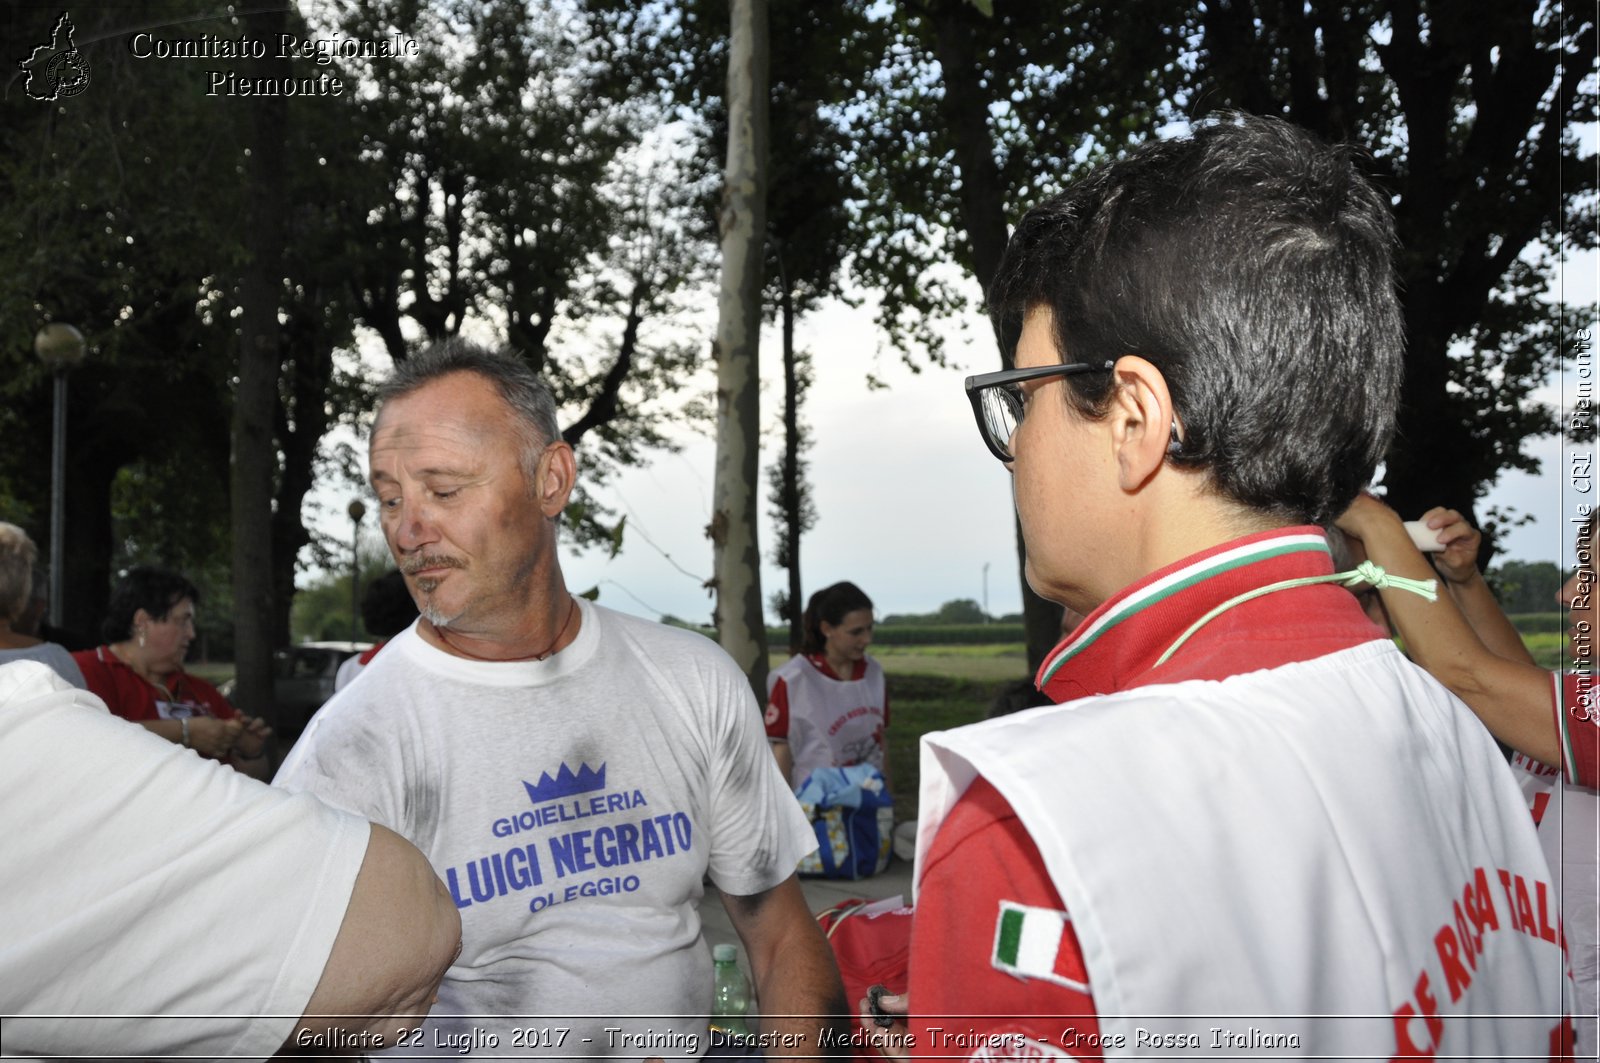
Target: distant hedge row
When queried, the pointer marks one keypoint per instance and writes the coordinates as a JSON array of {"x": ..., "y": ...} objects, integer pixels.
[
  {"x": 926, "y": 634},
  {"x": 1010, "y": 631}
]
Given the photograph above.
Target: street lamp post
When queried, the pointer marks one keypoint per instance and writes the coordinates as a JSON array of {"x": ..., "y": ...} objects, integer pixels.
[
  {"x": 356, "y": 511},
  {"x": 59, "y": 346}
]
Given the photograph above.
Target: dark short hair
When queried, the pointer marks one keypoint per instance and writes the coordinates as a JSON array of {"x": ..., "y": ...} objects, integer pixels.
[
  {"x": 1252, "y": 265},
  {"x": 155, "y": 590},
  {"x": 831, "y": 605},
  {"x": 517, "y": 383},
  {"x": 387, "y": 607}
]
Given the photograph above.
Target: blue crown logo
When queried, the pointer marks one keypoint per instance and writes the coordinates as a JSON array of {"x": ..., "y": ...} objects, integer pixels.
[{"x": 565, "y": 784}]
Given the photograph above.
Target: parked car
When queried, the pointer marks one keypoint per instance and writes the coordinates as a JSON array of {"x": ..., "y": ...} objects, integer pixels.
[{"x": 302, "y": 679}]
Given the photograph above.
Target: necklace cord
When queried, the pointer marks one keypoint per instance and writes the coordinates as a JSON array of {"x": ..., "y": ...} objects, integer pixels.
[
  {"x": 1366, "y": 572},
  {"x": 572, "y": 610}
]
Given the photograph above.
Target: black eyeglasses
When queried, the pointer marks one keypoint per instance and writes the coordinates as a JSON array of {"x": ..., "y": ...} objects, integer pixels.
[{"x": 997, "y": 399}]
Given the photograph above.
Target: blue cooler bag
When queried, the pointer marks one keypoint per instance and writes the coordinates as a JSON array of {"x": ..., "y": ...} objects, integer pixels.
[{"x": 853, "y": 815}]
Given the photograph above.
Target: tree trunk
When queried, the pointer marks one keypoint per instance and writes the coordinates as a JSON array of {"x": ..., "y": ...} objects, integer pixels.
[
  {"x": 254, "y": 455},
  {"x": 309, "y": 358},
  {"x": 965, "y": 108},
  {"x": 86, "y": 579},
  {"x": 792, "y": 489},
  {"x": 966, "y": 117},
  {"x": 737, "y": 559}
]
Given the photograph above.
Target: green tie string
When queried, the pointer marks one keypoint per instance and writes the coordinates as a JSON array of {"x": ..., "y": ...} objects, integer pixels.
[{"x": 1366, "y": 572}]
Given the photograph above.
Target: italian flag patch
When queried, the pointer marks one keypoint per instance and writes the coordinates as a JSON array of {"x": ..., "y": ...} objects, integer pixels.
[{"x": 1038, "y": 943}]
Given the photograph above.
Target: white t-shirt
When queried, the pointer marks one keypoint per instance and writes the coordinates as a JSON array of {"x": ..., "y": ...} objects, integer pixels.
[
  {"x": 573, "y": 807},
  {"x": 347, "y": 672},
  {"x": 141, "y": 881}
]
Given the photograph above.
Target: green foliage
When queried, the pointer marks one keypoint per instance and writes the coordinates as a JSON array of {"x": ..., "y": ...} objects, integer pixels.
[
  {"x": 961, "y": 611},
  {"x": 522, "y": 194},
  {"x": 1526, "y": 587},
  {"x": 1549, "y": 650},
  {"x": 322, "y": 608},
  {"x": 1472, "y": 125},
  {"x": 929, "y": 634},
  {"x": 956, "y": 611},
  {"x": 970, "y": 651},
  {"x": 1539, "y": 623},
  {"x": 498, "y": 177},
  {"x": 118, "y": 212},
  {"x": 970, "y": 114}
]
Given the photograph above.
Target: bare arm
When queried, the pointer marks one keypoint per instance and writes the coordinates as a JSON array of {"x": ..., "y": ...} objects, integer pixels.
[
  {"x": 785, "y": 757},
  {"x": 400, "y": 934},
  {"x": 797, "y": 981},
  {"x": 1457, "y": 564},
  {"x": 250, "y": 749},
  {"x": 208, "y": 736},
  {"x": 1511, "y": 697}
]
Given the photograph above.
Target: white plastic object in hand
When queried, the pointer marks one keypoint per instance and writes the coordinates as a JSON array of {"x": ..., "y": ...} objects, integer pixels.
[{"x": 1423, "y": 537}]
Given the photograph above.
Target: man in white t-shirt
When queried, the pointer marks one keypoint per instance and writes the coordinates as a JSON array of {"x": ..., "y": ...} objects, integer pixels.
[
  {"x": 154, "y": 904},
  {"x": 574, "y": 774}
]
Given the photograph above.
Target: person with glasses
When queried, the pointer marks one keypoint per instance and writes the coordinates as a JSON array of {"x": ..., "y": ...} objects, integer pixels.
[{"x": 1250, "y": 826}]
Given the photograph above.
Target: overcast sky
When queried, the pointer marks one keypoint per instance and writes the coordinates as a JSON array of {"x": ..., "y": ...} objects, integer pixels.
[{"x": 911, "y": 505}]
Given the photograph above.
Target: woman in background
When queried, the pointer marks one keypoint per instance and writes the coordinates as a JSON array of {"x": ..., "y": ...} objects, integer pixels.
[
  {"x": 139, "y": 673},
  {"x": 17, "y": 558},
  {"x": 828, "y": 705}
]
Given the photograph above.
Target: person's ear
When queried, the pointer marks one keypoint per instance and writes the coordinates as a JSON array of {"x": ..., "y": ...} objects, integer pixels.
[
  {"x": 1144, "y": 427},
  {"x": 555, "y": 478}
]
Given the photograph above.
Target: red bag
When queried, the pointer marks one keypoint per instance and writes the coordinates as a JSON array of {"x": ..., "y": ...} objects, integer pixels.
[{"x": 872, "y": 943}]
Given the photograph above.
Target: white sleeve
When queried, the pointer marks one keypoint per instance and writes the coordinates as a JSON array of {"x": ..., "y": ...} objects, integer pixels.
[
  {"x": 350, "y": 758},
  {"x": 166, "y": 904},
  {"x": 347, "y": 671},
  {"x": 759, "y": 832}
]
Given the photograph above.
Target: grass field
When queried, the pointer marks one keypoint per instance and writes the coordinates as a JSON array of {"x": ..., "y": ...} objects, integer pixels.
[{"x": 1547, "y": 647}]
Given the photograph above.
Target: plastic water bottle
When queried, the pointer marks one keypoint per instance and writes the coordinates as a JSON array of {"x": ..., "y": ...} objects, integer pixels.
[{"x": 730, "y": 994}]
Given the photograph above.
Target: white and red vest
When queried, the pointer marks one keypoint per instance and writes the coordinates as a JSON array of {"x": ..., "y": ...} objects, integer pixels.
[
  {"x": 828, "y": 721},
  {"x": 1329, "y": 850}
]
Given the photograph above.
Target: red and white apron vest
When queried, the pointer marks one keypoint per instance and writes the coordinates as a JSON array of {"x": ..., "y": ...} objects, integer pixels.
[{"x": 1331, "y": 850}]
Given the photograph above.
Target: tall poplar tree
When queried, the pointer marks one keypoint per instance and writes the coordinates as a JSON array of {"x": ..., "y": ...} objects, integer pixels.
[{"x": 735, "y": 513}]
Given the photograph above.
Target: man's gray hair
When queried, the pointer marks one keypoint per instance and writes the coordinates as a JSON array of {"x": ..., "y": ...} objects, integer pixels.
[
  {"x": 513, "y": 378},
  {"x": 17, "y": 556}
]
